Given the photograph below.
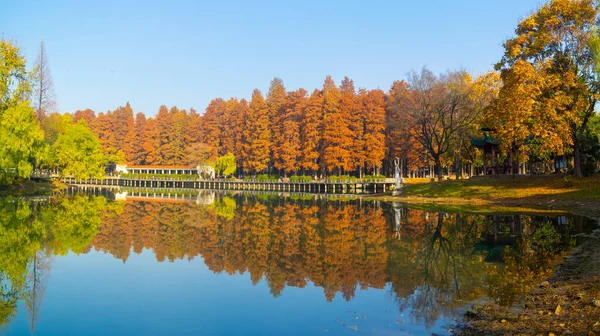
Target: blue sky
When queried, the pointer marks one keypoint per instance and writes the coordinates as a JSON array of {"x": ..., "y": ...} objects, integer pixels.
[{"x": 185, "y": 53}]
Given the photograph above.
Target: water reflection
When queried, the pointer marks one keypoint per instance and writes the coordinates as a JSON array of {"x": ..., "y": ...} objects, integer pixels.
[
  {"x": 31, "y": 233},
  {"x": 432, "y": 263}
]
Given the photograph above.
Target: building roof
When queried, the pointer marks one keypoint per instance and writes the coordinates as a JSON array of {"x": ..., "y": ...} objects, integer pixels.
[{"x": 486, "y": 140}]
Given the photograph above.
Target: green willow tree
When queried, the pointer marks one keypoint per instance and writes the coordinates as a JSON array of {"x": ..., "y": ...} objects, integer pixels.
[{"x": 226, "y": 165}]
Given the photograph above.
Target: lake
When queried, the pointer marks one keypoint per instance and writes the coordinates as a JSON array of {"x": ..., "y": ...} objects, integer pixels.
[{"x": 211, "y": 263}]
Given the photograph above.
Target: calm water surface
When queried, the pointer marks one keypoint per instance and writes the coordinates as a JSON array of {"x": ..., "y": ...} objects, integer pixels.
[{"x": 222, "y": 264}]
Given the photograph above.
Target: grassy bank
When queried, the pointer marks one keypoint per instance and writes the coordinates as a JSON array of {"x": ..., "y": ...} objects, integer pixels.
[
  {"x": 533, "y": 193},
  {"x": 31, "y": 188}
]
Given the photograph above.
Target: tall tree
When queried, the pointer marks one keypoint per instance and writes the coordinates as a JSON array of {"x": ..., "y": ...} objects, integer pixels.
[
  {"x": 130, "y": 142},
  {"x": 276, "y": 101},
  {"x": 440, "y": 106},
  {"x": 288, "y": 146},
  {"x": 150, "y": 142},
  {"x": 373, "y": 109},
  {"x": 555, "y": 39},
  {"x": 139, "y": 151},
  {"x": 163, "y": 136},
  {"x": 237, "y": 110},
  {"x": 401, "y": 128},
  {"x": 351, "y": 109},
  {"x": 310, "y": 132},
  {"x": 21, "y": 140},
  {"x": 14, "y": 82},
  {"x": 44, "y": 97},
  {"x": 337, "y": 137},
  {"x": 213, "y": 123},
  {"x": 257, "y": 134}
]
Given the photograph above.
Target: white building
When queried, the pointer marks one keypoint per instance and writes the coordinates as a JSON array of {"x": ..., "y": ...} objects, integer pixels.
[{"x": 204, "y": 171}]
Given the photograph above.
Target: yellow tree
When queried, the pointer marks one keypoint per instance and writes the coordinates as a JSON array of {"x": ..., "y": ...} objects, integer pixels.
[
  {"x": 515, "y": 113},
  {"x": 257, "y": 134},
  {"x": 556, "y": 41}
]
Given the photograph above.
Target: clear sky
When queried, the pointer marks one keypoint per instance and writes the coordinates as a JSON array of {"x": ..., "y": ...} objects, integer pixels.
[{"x": 185, "y": 53}]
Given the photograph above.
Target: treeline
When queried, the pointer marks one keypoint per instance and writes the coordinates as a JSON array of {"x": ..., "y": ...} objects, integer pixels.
[
  {"x": 332, "y": 130},
  {"x": 538, "y": 105}
]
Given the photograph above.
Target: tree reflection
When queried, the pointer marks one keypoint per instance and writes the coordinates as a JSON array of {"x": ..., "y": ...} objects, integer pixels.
[
  {"x": 432, "y": 262},
  {"x": 30, "y": 234}
]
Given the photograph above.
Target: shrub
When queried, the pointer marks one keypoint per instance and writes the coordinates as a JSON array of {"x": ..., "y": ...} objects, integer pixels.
[
  {"x": 267, "y": 177},
  {"x": 302, "y": 178}
]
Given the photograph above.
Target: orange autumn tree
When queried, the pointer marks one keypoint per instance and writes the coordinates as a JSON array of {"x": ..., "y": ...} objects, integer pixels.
[
  {"x": 257, "y": 135},
  {"x": 350, "y": 107},
  {"x": 139, "y": 156},
  {"x": 276, "y": 100},
  {"x": 310, "y": 132},
  {"x": 400, "y": 141},
  {"x": 373, "y": 109},
  {"x": 87, "y": 114},
  {"x": 150, "y": 142},
  {"x": 337, "y": 137},
  {"x": 212, "y": 123},
  {"x": 289, "y": 150}
]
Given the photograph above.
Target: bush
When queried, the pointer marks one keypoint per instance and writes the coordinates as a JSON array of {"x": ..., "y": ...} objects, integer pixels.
[
  {"x": 267, "y": 177},
  {"x": 302, "y": 178},
  {"x": 343, "y": 178}
]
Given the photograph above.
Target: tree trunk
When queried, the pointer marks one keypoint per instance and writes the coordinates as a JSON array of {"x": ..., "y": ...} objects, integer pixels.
[
  {"x": 438, "y": 164},
  {"x": 577, "y": 156}
]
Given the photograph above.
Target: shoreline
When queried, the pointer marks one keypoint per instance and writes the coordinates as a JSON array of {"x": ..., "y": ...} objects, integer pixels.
[
  {"x": 31, "y": 188},
  {"x": 567, "y": 302}
]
